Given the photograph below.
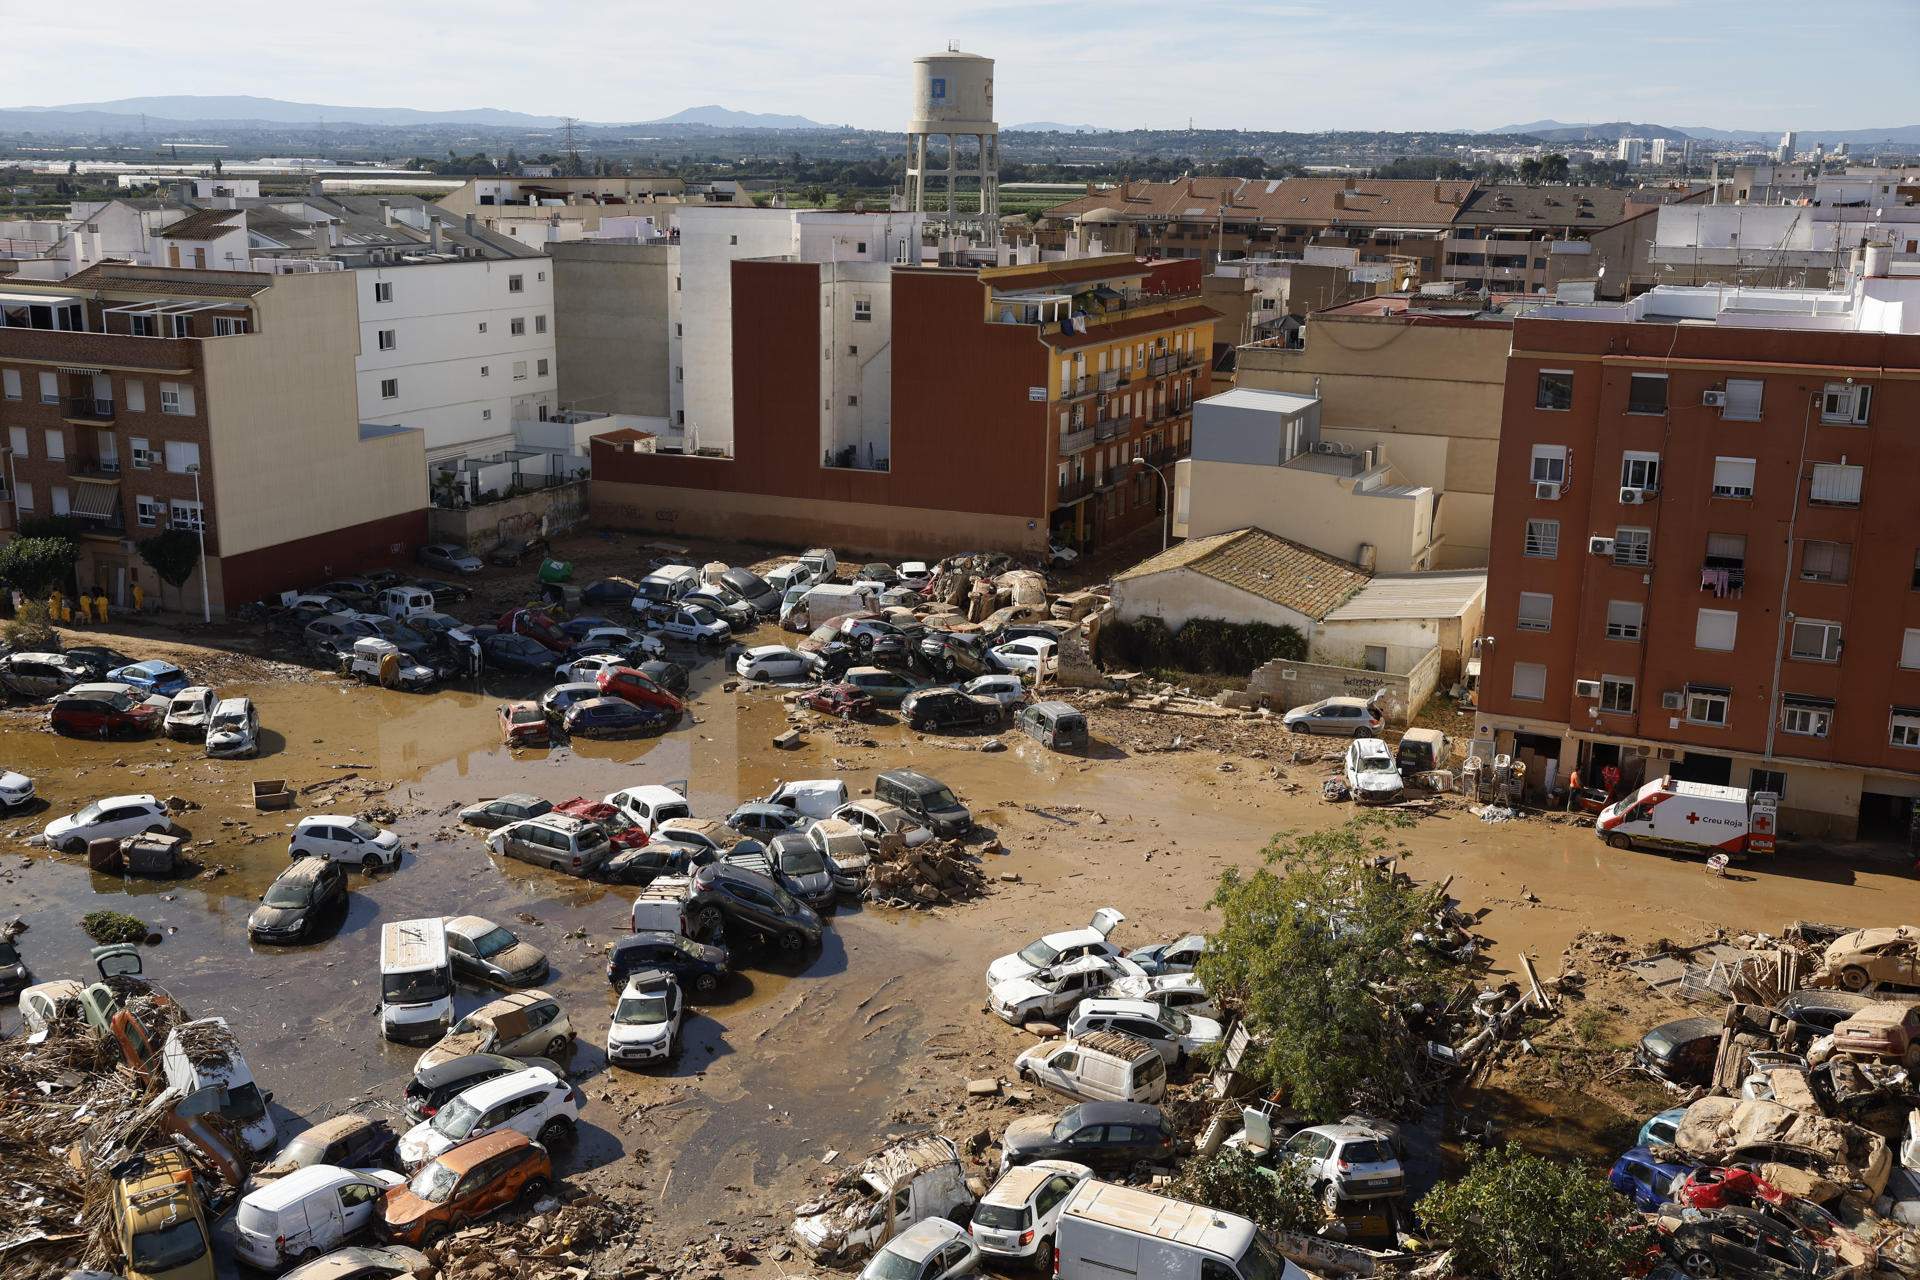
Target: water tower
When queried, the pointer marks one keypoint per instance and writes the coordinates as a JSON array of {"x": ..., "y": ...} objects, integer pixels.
[{"x": 953, "y": 145}]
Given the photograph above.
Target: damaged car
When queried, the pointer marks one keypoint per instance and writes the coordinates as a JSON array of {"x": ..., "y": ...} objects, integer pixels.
[
  {"x": 1055, "y": 948},
  {"x": 526, "y": 1024},
  {"x": 1726, "y": 1130},
  {"x": 1872, "y": 957},
  {"x": 1052, "y": 993},
  {"x": 483, "y": 951},
  {"x": 881, "y": 1197}
]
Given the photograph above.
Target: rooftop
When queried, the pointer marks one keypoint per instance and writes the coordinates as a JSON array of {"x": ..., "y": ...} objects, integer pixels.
[
  {"x": 202, "y": 224},
  {"x": 1881, "y": 305},
  {"x": 1263, "y": 564},
  {"x": 1262, "y": 401},
  {"x": 1413, "y": 595}
]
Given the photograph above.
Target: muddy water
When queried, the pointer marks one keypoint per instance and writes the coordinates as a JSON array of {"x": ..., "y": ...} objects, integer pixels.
[{"x": 788, "y": 1063}]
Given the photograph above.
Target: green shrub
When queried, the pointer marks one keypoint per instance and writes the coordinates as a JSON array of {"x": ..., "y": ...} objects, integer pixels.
[
  {"x": 30, "y": 631},
  {"x": 113, "y": 926},
  {"x": 1209, "y": 646}
]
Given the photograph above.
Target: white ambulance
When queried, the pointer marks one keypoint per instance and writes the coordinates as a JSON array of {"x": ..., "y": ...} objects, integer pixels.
[{"x": 1671, "y": 814}]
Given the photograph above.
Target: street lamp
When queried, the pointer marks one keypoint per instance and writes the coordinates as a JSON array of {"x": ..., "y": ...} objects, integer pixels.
[
  {"x": 1166, "y": 498},
  {"x": 200, "y": 527}
]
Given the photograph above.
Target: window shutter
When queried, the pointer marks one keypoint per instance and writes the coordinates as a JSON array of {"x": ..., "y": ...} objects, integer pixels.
[
  {"x": 1733, "y": 477},
  {"x": 1834, "y": 482},
  {"x": 1715, "y": 629},
  {"x": 1910, "y": 648},
  {"x": 1743, "y": 398}
]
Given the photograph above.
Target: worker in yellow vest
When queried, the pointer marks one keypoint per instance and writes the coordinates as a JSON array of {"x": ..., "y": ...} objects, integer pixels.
[
  {"x": 86, "y": 608},
  {"x": 53, "y": 607},
  {"x": 139, "y": 597},
  {"x": 100, "y": 604}
]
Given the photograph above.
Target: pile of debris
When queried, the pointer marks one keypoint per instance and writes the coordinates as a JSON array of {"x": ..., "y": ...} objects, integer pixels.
[
  {"x": 585, "y": 1235},
  {"x": 933, "y": 874}
]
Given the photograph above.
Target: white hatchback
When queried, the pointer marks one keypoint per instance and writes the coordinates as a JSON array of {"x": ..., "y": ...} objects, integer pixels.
[
  {"x": 1018, "y": 1216},
  {"x": 1029, "y": 654},
  {"x": 771, "y": 662},
  {"x": 114, "y": 818},
  {"x": 337, "y": 838},
  {"x": 534, "y": 1102}
]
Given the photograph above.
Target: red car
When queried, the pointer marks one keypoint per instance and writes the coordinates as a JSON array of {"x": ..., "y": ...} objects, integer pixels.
[
  {"x": 635, "y": 687},
  {"x": 535, "y": 625},
  {"x": 523, "y": 724},
  {"x": 620, "y": 829},
  {"x": 103, "y": 711},
  {"x": 842, "y": 700}
]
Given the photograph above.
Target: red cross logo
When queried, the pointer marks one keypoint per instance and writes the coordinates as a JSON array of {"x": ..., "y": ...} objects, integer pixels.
[{"x": 1693, "y": 817}]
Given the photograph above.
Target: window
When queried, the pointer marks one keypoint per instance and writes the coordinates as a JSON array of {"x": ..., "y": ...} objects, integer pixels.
[
  {"x": 1769, "y": 780},
  {"x": 853, "y": 402},
  {"x": 1543, "y": 539},
  {"x": 56, "y": 444},
  {"x": 1843, "y": 402},
  {"x": 1743, "y": 400},
  {"x": 540, "y": 367},
  {"x": 1529, "y": 681},
  {"x": 519, "y": 370},
  {"x": 10, "y": 383},
  {"x": 389, "y": 388},
  {"x": 383, "y": 291},
  {"x": 182, "y": 456},
  {"x": 139, "y": 453},
  {"x": 227, "y": 326},
  {"x": 140, "y": 326},
  {"x": 17, "y": 441},
  {"x": 1549, "y": 464},
  {"x": 1715, "y": 629},
  {"x": 853, "y": 351},
  {"x": 179, "y": 326},
  {"x": 517, "y": 327},
  {"x": 1623, "y": 619},
  {"x": 1836, "y": 484},
  {"x": 540, "y": 324},
  {"x": 1910, "y": 647},
  {"x": 1536, "y": 611},
  {"x": 1706, "y": 706},
  {"x": 187, "y": 515},
  {"x": 1640, "y": 471},
  {"x": 486, "y": 370},
  {"x": 23, "y": 496},
  {"x": 1825, "y": 561},
  {"x": 136, "y": 395},
  {"x": 1904, "y": 731},
  {"x": 862, "y": 310},
  {"x": 176, "y": 398},
  {"x": 516, "y": 284},
  {"x": 1616, "y": 694},
  {"x": 486, "y": 415},
  {"x": 1647, "y": 393},
  {"x": 1632, "y": 546},
  {"x": 1816, "y": 641},
  {"x": 1809, "y": 717},
  {"x": 146, "y": 511},
  {"x": 62, "y": 500},
  {"x": 49, "y": 388},
  {"x": 1554, "y": 390},
  {"x": 1733, "y": 477},
  {"x": 387, "y": 339}
]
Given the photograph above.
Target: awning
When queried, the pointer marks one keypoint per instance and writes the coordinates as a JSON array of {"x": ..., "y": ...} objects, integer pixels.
[
  {"x": 81, "y": 373},
  {"x": 1808, "y": 700},
  {"x": 1719, "y": 689},
  {"x": 97, "y": 501},
  {"x": 1906, "y": 711}
]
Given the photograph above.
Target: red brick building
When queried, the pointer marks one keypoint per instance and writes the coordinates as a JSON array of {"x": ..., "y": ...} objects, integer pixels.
[
  {"x": 1706, "y": 555},
  {"x": 1016, "y": 399}
]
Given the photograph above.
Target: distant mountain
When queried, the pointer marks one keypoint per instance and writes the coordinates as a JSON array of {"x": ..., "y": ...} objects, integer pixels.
[
  {"x": 725, "y": 118},
  {"x": 197, "y": 109},
  {"x": 1049, "y": 126},
  {"x": 1559, "y": 131}
]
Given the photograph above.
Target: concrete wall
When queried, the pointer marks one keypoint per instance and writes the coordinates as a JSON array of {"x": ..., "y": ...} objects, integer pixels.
[
  {"x": 1314, "y": 508},
  {"x": 1284, "y": 684},
  {"x": 481, "y": 529},
  {"x": 1177, "y": 596},
  {"x": 610, "y": 304}
]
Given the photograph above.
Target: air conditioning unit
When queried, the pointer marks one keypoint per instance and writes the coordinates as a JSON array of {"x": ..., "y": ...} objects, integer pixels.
[
  {"x": 1673, "y": 700},
  {"x": 1586, "y": 688},
  {"x": 1598, "y": 546},
  {"x": 1714, "y": 399},
  {"x": 1546, "y": 491},
  {"x": 1632, "y": 497}
]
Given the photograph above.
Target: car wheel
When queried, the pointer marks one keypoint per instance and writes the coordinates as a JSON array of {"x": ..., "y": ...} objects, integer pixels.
[
  {"x": 1330, "y": 1198},
  {"x": 793, "y": 941},
  {"x": 1854, "y": 978},
  {"x": 1360, "y": 733},
  {"x": 917, "y": 724},
  {"x": 370, "y": 863},
  {"x": 555, "y": 1131},
  {"x": 762, "y": 675},
  {"x": 1698, "y": 1262},
  {"x": 1302, "y": 727},
  {"x": 533, "y": 1189},
  {"x": 706, "y": 983},
  {"x": 557, "y": 1049},
  {"x": 863, "y": 643},
  {"x": 712, "y": 922},
  {"x": 1619, "y": 840},
  {"x": 157, "y": 829},
  {"x": 74, "y": 845}
]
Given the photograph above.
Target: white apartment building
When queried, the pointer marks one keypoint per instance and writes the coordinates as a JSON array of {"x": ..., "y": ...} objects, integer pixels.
[{"x": 856, "y": 251}]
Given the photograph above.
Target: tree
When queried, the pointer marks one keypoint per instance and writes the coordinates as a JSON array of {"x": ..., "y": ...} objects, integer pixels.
[
  {"x": 172, "y": 554},
  {"x": 1530, "y": 171},
  {"x": 35, "y": 566},
  {"x": 30, "y": 630},
  {"x": 1553, "y": 167},
  {"x": 1517, "y": 1216},
  {"x": 1279, "y": 1199},
  {"x": 1316, "y": 947}
]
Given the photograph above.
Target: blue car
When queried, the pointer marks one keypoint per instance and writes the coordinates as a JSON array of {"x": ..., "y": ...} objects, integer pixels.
[
  {"x": 577, "y": 627},
  {"x": 1643, "y": 1179},
  {"x": 158, "y": 677},
  {"x": 1662, "y": 1129}
]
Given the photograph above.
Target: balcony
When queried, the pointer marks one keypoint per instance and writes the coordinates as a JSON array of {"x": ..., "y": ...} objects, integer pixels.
[
  {"x": 1074, "y": 490},
  {"x": 1111, "y": 379},
  {"x": 1105, "y": 429},
  {"x": 1072, "y": 442},
  {"x": 89, "y": 409},
  {"x": 1722, "y": 577},
  {"x": 1160, "y": 365},
  {"x": 93, "y": 467},
  {"x": 1078, "y": 387}
]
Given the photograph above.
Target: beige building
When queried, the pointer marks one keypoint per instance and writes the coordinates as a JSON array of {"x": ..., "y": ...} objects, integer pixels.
[
  {"x": 572, "y": 206},
  {"x": 611, "y": 327},
  {"x": 1260, "y": 458},
  {"x": 1241, "y": 575},
  {"x": 1423, "y": 377}
]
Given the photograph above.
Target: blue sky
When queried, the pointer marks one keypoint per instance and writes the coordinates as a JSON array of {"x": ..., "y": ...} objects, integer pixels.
[{"x": 1288, "y": 64}]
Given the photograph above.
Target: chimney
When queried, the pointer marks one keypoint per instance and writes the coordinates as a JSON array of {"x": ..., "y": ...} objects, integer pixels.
[
  {"x": 1126, "y": 192},
  {"x": 1348, "y": 185},
  {"x": 73, "y": 247},
  {"x": 1876, "y": 259},
  {"x": 317, "y": 189},
  {"x": 333, "y": 234},
  {"x": 1189, "y": 186},
  {"x": 469, "y": 224},
  {"x": 433, "y": 234}
]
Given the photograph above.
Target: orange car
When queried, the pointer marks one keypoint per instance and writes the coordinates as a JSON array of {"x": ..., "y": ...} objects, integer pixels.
[{"x": 464, "y": 1185}]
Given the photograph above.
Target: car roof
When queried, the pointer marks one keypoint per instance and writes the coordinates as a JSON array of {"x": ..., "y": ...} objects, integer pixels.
[
  {"x": 919, "y": 1241},
  {"x": 1143, "y": 1008},
  {"x": 140, "y": 799},
  {"x": 469, "y": 1154},
  {"x": 650, "y": 937},
  {"x": 491, "y": 1093},
  {"x": 285, "y": 1192},
  {"x": 193, "y": 691},
  {"x": 470, "y": 926},
  {"x": 514, "y": 797},
  {"x": 769, "y": 648},
  {"x": 1349, "y": 1132},
  {"x": 644, "y": 982},
  {"x": 314, "y": 818},
  {"x": 305, "y": 869},
  {"x": 232, "y": 704},
  {"x": 338, "y": 1127},
  {"x": 1112, "y": 1112}
]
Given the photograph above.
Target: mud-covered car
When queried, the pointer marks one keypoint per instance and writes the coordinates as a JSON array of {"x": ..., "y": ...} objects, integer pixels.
[
  {"x": 1872, "y": 957},
  {"x": 841, "y": 700},
  {"x": 729, "y": 897},
  {"x": 881, "y": 1197}
]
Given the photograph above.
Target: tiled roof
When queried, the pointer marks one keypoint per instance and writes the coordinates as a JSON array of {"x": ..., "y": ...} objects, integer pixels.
[
  {"x": 1262, "y": 564},
  {"x": 202, "y": 224},
  {"x": 1393, "y": 202},
  {"x": 113, "y": 276},
  {"x": 1151, "y": 323},
  {"x": 1517, "y": 206},
  {"x": 1057, "y": 274}
]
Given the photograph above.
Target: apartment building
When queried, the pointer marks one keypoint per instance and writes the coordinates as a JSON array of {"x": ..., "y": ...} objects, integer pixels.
[
  {"x": 135, "y": 399},
  {"x": 1808, "y": 244},
  {"x": 538, "y": 211},
  {"x": 611, "y": 325},
  {"x": 1422, "y": 377},
  {"x": 926, "y": 409},
  {"x": 1705, "y": 561}
]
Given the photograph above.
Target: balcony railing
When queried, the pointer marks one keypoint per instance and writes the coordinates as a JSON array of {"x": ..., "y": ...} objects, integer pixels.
[
  {"x": 1722, "y": 578},
  {"x": 1072, "y": 442},
  {"x": 1074, "y": 490},
  {"x": 1077, "y": 387},
  {"x": 83, "y": 466},
  {"x": 90, "y": 408},
  {"x": 1106, "y": 429},
  {"x": 1110, "y": 380},
  {"x": 1161, "y": 364}
]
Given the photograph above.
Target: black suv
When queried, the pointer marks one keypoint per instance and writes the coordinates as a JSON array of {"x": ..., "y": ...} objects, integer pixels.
[
  {"x": 929, "y": 801},
  {"x": 951, "y": 709},
  {"x": 299, "y": 901},
  {"x": 733, "y": 898},
  {"x": 697, "y": 965}
]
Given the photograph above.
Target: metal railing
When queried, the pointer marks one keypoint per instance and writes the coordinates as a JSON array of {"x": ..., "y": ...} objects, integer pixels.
[
  {"x": 92, "y": 408},
  {"x": 1074, "y": 490},
  {"x": 1072, "y": 442},
  {"x": 1160, "y": 365}
]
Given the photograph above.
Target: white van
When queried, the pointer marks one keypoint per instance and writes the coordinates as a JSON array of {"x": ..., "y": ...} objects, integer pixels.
[
  {"x": 666, "y": 584},
  {"x": 406, "y": 602},
  {"x": 653, "y": 804},
  {"x": 309, "y": 1212},
  {"x": 203, "y": 1054},
  {"x": 810, "y": 797},
  {"x": 804, "y": 608},
  {"x": 1108, "y": 1066},
  {"x": 788, "y": 576},
  {"x": 1110, "y": 1232},
  {"x": 416, "y": 981},
  {"x": 822, "y": 561},
  {"x": 662, "y": 906}
]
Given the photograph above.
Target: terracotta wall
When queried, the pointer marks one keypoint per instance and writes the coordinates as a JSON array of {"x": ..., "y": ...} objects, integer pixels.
[{"x": 305, "y": 562}]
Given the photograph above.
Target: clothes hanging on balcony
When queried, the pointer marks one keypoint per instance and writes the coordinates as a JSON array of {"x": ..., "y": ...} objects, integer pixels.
[{"x": 1718, "y": 581}]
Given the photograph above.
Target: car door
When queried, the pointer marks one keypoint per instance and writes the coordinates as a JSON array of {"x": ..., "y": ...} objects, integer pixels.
[
  {"x": 1089, "y": 1145},
  {"x": 1058, "y": 1188},
  {"x": 357, "y": 1201},
  {"x": 1060, "y": 1070}
]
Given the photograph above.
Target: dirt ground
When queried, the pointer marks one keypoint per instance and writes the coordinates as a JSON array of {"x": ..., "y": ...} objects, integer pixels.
[{"x": 881, "y": 1029}]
